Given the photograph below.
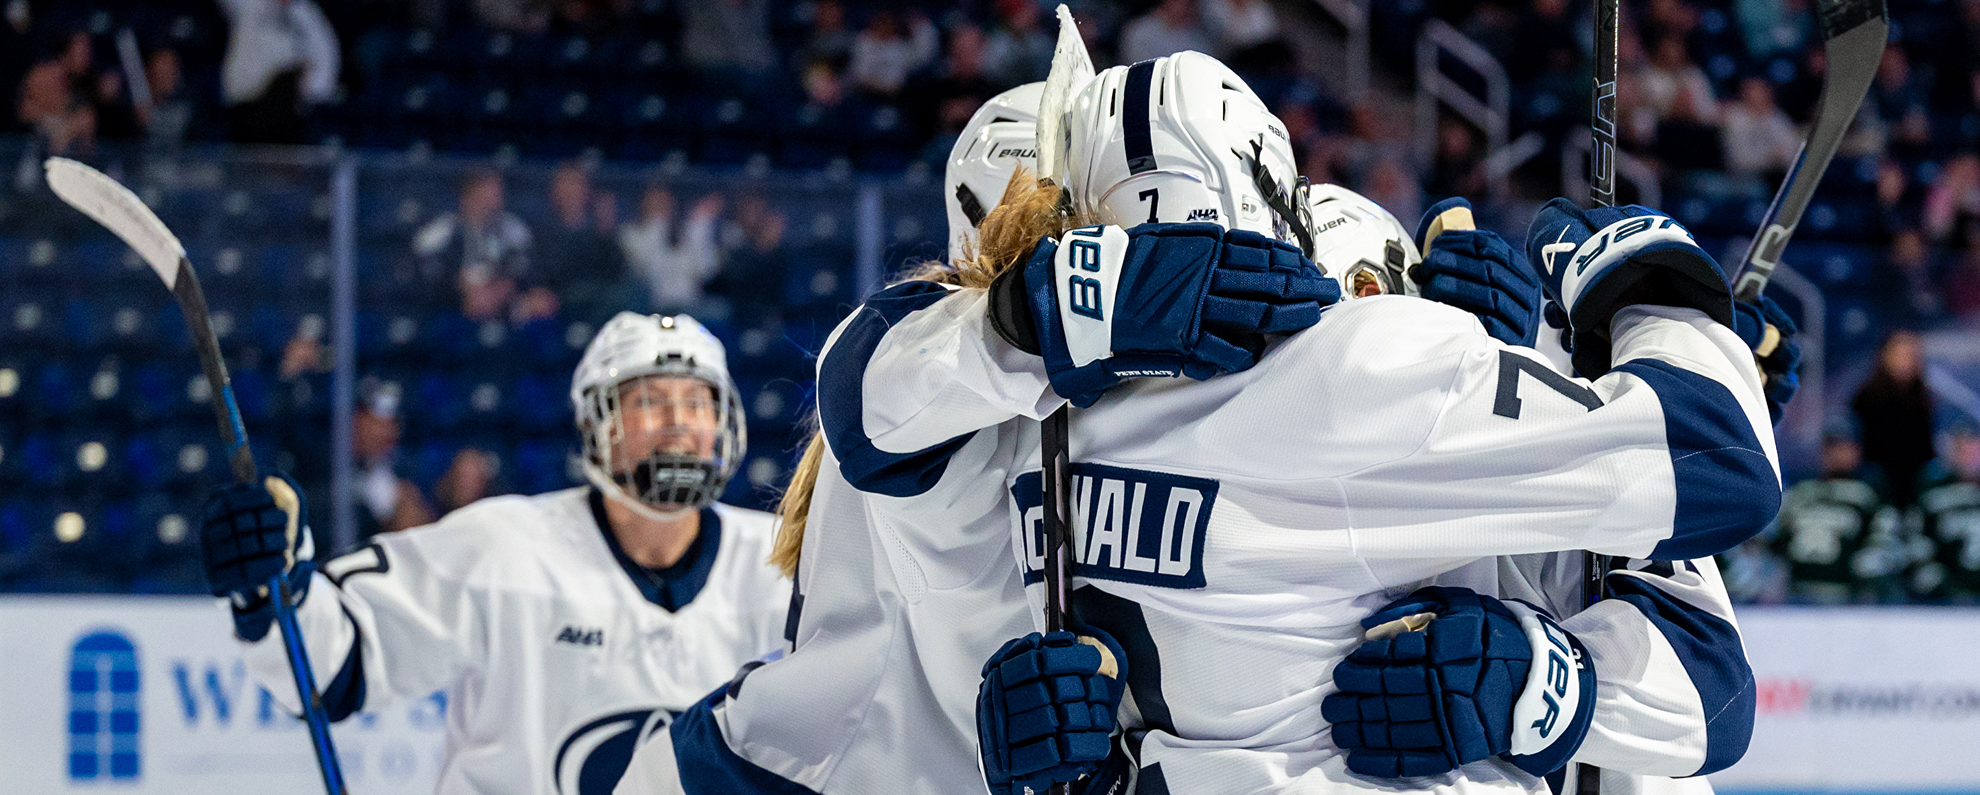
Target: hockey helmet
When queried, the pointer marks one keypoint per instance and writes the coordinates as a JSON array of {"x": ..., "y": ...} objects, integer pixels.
[
  {"x": 1359, "y": 243},
  {"x": 1001, "y": 137},
  {"x": 1181, "y": 138},
  {"x": 648, "y": 443}
]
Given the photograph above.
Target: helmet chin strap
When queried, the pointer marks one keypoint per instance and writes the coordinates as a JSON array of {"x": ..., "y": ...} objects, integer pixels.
[{"x": 1292, "y": 212}]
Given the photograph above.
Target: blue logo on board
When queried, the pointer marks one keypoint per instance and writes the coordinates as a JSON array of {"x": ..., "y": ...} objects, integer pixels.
[
  {"x": 1128, "y": 525},
  {"x": 105, "y": 708}
]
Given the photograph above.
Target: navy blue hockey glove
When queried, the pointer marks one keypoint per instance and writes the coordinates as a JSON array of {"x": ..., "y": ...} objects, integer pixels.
[
  {"x": 1103, "y": 304},
  {"x": 1045, "y": 712},
  {"x": 1479, "y": 272},
  {"x": 1595, "y": 262},
  {"x": 252, "y": 532},
  {"x": 1778, "y": 355},
  {"x": 1451, "y": 677}
]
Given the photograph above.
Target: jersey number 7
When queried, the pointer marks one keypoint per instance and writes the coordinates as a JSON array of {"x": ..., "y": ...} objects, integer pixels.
[{"x": 1507, "y": 403}]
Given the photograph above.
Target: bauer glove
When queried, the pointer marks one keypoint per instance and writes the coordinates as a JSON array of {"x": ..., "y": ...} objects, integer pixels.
[
  {"x": 1478, "y": 272},
  {"x": 1450, "y": 677},
  {"x": 1778, "y": 355},
  {"x": 1595, "y": 262},
  {"x": 1103, "y": 304},
  {"x": 1045, "y": 711},
  {"x": 252, "y": 532}
]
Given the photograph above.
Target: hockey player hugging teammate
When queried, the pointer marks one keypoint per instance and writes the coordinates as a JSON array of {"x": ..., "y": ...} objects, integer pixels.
[{"x": 565, "y": 627}]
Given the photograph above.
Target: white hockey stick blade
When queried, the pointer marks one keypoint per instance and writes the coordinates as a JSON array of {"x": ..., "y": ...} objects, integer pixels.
[
  {"x": 1072, "y": 67},
  {"x": 119, "y": 210}
]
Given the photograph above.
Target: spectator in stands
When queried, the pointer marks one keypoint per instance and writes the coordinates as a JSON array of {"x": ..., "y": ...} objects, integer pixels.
[
  {"x": 388, "y": 502},
  {"x": 753, "y": 272},
  {"x": 1771, "y": 26},
  {"x": 1894, "y": 410},
  {"x": 1835, "y": 531},
  {"x": 830, "y": 41},
  {"x": 1019, "y": 50},
  {"x": 576, "y": 261},
  {"x": 50, "y": 105},
  {"x": 1962, "y": 290},
  {"x": 728, "y": 38},
  {"x": 1459, "y": 169},
  {"x": 884, "y": 54},
  {"x": 1170, "y": 28},
  {"x": 1759, "y": 138},
  {"x": 169, "y": 116},
  {"x": 959, "y": 87},
  {"x": 1941, "y": 525},
  {"x": 1906, "y": 291},
  {"x": 16, "y": 50},
  {"x": 1494, "y": 25},
  {"x": 1897, "y": 198},
  {"x": 675, "y": 257},
  {"x": 480, "y": 249},
  {"x": 282, "y": 59},
  {"x": 1953, "y": 202},
  {"x": 1240, "y": 25},
  {"x": 470, "y": 477},
  {"x": 1675, "y": 88},
  {"x": 1902, "y": 100}
]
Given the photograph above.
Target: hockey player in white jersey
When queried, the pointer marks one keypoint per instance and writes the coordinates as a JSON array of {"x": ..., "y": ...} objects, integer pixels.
[
  {"x": 1404, "y": 475},
  {"x": 1675, "y": 695},
  {"x": 563, "y": 627},
  {"x": 905, "y": 579}
]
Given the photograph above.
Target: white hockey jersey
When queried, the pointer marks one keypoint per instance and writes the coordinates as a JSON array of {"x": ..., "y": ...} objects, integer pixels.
[
  {"x": 910, "y": 430},
  {"x": 553, "y": 662}
]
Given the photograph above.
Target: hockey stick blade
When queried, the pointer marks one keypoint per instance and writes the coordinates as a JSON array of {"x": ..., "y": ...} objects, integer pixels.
[
  {"x": 1853, "y": 35},
  {"x": 117, "y": 209},
  {"x": 120, "y": 211}
]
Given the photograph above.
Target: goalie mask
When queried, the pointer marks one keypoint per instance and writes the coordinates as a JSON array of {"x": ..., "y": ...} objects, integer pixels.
[
  {"x": 662, "y": 423},
  {"x": 1181, "y": 138},
  {"x": 999, "y": 138},
  {"x": 1360, "y": 244}
]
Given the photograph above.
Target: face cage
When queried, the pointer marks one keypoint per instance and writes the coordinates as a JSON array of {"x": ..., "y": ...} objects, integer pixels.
[{"x": 662, "y": 485}]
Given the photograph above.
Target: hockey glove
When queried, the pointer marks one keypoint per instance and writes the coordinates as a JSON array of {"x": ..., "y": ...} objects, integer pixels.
[
  {"x": 252, "y": 532},
  {"x": 1778, "y": 355},
  {"x": 1595, "y": 262},
  {"x": 1462, "y": 677},
  {"x": 1103, "y": 304},
  {"x": 1478, "y": 272},
  {"x": 1046, "y": 709}
]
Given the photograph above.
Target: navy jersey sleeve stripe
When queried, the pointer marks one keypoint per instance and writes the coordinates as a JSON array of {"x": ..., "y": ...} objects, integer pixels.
[
  {"x": 841, "y": 399},
  {"x": 1713, "y": 658},
  {"x": 708, "y": 767},
  {"x": 344, "y": 696},
  {"x": 1726, "y": 488}
]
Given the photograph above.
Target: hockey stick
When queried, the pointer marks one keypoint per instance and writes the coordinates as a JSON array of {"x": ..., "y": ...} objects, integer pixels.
[
  {"x": 1601, "y": 193},
  {"x": 1072, "y": 66},
  {"x": 1853, "y": 34},
  {"x": 120, "y": 211}
]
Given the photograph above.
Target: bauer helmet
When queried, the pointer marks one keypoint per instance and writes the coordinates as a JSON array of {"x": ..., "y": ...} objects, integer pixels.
[
  {"x": 662, "y": 423},
  {"x": 1181, "y": 138},
  {"x": 1001, "y": 137},
  {"x": 1360, "y": 244}
]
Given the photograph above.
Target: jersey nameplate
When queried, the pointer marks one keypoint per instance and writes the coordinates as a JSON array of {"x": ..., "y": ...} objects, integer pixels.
[{"x": 1128, "y": 525}]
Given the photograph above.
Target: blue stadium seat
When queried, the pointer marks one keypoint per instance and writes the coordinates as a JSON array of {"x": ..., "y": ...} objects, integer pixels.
[{"x": 542, "y": 465}]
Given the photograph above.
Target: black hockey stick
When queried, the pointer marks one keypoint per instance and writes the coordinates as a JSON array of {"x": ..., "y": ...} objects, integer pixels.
[
  {"x": 1853, "y": 34},
  {"x": 120, "y": 211},
  {"x": 1601, "y": 193}
]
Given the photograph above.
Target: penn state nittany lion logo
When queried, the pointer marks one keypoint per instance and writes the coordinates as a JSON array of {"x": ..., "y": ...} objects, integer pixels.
[{"x": 593, "y": 757}]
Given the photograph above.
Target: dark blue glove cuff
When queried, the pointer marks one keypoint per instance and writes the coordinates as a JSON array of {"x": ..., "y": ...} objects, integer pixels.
[
  {"x": 1575, "y": 728},
  {"x": 252, "y": 620}
]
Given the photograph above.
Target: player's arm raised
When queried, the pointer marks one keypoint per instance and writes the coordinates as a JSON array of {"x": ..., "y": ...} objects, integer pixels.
[
  {"x": 377, "y": 623},
  {"x": 1668, "y": 453},
  {"x": 920, "y": 366}
]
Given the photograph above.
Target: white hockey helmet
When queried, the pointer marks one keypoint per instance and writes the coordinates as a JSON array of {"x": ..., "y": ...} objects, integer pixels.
[
  {"x": 660, "y": 482},
  {"x": 999, "y": 138},
  {"x": 1181, "y": 138},
  {"x": 1359, "y": 243}
]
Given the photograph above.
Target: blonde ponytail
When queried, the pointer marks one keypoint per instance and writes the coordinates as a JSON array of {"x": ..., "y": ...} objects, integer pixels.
[{"x": 1028, "y": 211}]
